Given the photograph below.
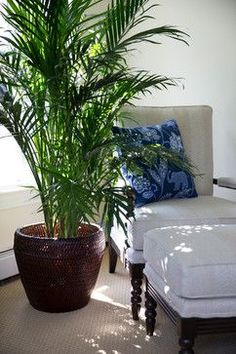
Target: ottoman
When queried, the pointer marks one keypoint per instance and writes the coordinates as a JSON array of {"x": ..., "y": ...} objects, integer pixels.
[{"x": 191, "y": 272}]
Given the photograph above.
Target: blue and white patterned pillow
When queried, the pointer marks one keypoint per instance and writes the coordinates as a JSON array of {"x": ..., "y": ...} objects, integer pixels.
[{"x": 161, "y": 181}]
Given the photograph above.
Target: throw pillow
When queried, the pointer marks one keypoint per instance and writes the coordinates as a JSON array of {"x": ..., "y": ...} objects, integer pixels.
[{"x": 163, "y": 180}]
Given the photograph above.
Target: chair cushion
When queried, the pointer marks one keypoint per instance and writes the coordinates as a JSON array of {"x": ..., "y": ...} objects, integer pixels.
[
  {"x": 178, "y": 212},
  {"x": 163, "y": 180},
  {"x": 187, "y": 308},
  {"x": 197, "y": 261}
]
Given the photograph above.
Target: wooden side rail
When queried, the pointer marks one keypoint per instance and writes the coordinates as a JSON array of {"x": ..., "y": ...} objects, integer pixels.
[{"x": 226, "y": 182}]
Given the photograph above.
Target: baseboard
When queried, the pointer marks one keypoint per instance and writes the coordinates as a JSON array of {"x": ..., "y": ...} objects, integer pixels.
[{"x": 8, "y": 266}]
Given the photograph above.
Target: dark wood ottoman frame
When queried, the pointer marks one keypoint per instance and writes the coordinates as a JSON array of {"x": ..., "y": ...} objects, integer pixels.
[{"x": 188, "y": 328}]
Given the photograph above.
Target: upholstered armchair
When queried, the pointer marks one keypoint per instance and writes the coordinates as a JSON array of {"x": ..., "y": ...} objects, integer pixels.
[{"x": 195, "y": 124}]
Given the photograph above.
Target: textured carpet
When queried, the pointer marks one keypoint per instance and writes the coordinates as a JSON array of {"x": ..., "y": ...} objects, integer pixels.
[{"x": 104, "y": 326}]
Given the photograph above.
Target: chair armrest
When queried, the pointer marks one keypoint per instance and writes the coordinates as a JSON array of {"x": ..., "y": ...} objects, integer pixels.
[{"x": 226, "y": 182}]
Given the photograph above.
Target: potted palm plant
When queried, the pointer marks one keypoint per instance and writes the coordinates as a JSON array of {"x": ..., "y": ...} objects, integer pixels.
[{"x": 64, "y": 80}]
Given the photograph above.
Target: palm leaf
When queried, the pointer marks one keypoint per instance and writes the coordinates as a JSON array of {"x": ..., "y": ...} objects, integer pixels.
[
  {"x": 146, "y": 35},
  {"x": 66, "y": 80},
  {"x": 127, "y": 14}
]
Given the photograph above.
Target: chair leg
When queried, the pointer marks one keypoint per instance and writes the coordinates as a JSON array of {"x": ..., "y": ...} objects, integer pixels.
[
  {"x": 187, "y": 334},
  {"x": 186, "y": 346},
  {"x": 150, "y": 313},
  {"x": 136, "y": 274},
  {"x": 112, "y": 259}
]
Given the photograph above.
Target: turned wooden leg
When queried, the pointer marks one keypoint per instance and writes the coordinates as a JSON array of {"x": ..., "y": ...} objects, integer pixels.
[
  {"x": 186, "y": 346},
  {"x": 112, "y": 259},
  {"x": 187, "y": 334},
  {"x": 136, "y": 274},
  {"x": 150, "y": 313}
]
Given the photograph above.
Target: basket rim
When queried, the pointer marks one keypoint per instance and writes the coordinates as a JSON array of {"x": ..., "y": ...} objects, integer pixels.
[{"x": 19, "y": 232}]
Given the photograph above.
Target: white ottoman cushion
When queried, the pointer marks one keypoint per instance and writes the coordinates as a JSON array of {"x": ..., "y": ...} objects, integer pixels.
[
  {"x": 194, "y": 261},
  {"x": 203, "y": 308}
]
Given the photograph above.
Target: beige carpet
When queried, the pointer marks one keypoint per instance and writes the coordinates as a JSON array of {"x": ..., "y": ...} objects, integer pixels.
[{"x": 104, "y": 326}]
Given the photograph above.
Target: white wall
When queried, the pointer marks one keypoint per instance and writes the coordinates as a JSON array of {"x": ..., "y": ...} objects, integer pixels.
[
  {"x": 208, "y": 66},
  {"x": 18, "y": 207}
]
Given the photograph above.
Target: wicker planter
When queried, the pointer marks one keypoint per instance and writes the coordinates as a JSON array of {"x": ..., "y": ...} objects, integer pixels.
[{"x": 58, "y": 274}]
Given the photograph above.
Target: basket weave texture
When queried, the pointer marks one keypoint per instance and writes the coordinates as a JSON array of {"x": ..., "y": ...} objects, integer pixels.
[{"x": 58, "y": 275}]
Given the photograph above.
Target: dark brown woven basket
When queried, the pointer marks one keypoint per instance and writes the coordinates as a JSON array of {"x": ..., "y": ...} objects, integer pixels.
[{"x": 58, "y": 274}]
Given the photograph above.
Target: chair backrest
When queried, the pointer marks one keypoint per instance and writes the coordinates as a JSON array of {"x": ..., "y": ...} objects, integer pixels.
[{"x": 195, "y": 123}]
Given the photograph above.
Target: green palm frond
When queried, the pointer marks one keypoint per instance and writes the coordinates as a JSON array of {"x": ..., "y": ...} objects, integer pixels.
[
  {"x": 124, "y": 15},
  {"x": 167, "y": 31},
  {"x": 63, "y": 82}
]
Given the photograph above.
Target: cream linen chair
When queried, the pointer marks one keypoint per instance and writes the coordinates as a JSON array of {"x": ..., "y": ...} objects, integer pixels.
[{"x": 195, "y": 123}]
